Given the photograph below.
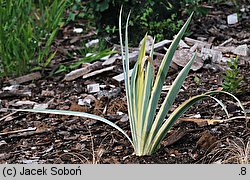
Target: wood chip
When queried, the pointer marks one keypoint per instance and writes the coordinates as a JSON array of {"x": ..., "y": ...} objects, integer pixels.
[
  {"x": 9, "y": 115},
  {"x": 224, "y": 49},
  {"x": 94, "y": 73},
  {"x": 111, "y": 60},
  {"x": 215, "y": 55},
  {"x": 176, "y": 136},
  {"x": 77, "y": 73},
  {"x": 200, "y": 44},
  {"x": 201, "y": 122},
  {"x": 161, "y": 44},
  {"x": 87, "y": 67},
  {"x": 26, "y": 78},
  {"x": 183, "y": 56},
  {"x": 120, "y": 77},
  {"x": 207, "y": 141}
]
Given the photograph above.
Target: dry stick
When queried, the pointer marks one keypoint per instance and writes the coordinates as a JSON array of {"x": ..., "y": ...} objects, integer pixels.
[
  {"x": 214, "y": 120},
  {"x": 3, "y": 118},
  {"x": 18, "y": 131},
  {"x": 92, "y": 146},
  {"x": 226, "y": 42}
]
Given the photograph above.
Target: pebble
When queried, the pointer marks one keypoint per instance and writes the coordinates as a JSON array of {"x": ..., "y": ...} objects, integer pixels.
[
  {"x": 232, "y": 19},
  {"x": 78, "y": 30},
  {"x": 124, "y": 118},
  {"x": 93, "y": 88},
  {"x": 30, "y": 161}
]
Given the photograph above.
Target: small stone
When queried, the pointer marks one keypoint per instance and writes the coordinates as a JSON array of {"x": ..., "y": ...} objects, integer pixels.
[
  {"x": 87, "y": 101},
  {"x": 222, "y": 27},
  {"x": 92, "y": 43},
  {"x": 124, "y": 118},
  {"x": 2, "y": 143},
  {"x": 232, "y": 19},
  {"x": 83, "y": 102},
  {"x": 93, "y": 88},
  {"x": 119, "y": 113},
  {"x": 78, "y": 30},
  {"x": 242, "y": 9}
]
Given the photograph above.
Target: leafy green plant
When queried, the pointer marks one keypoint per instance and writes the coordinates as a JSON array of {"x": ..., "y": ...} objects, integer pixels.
[
  {"x": 160, "y": 27},
  {"x": 79, "y": 9},
  {"x": 149, "y": 127},
  {"x": 99, "y": 5},
  {"x": 26, "y": 33},
  {"x": 87, "y": 59},
  {"x": 232, "y": 78},
  {"x": 194, "y": 6},
  {"x": 157, "y": 17}
]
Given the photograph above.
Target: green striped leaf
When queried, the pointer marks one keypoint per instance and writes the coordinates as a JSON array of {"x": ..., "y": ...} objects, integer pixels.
[{"x": 79, "y": 114}]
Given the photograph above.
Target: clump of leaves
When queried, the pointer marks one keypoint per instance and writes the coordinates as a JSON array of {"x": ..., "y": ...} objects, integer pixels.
[{"x": 232, "y": 78}]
